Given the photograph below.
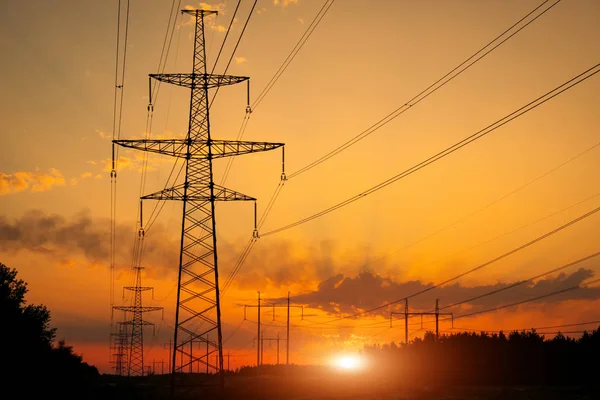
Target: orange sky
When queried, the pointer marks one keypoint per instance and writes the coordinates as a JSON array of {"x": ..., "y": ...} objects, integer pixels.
[{"x": 363, "y": 61}]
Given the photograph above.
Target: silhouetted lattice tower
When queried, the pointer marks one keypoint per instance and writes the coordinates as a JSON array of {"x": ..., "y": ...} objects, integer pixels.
[
  {"x": 135, "y": 326},
  {"x": 198, "y": 281},
  {"x": 119, "y": 349}
]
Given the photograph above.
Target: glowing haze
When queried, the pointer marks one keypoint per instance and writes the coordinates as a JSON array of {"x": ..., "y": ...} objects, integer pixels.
[{"x": 359, "y": 65}]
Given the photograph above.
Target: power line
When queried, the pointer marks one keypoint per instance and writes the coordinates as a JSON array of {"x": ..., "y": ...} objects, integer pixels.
[
  {"x": 519, "y": 283},
  {"x": 166, "y": 48},
  {"x": 239, "y": 137},
  {"x": 521, "y": 227},
  {"x": 275, "y": 77},
  {"x": 462, "y": 219},
  {"x": 449, "y": 150},
  {"x": 282, "y": 68},
  {"x": 498, "y": 258},
  {"x": 305, "y": 36},
  {"x": 537, "y": 327},
  {"x": 238, "y": 265},
  {"x": 234, "y": 50},
  {"x": 226, "y": 35},
  {"x": 299, "y": 45},
  {"x": 554, "y": 293},
  {"x": 426, "y": 92}
]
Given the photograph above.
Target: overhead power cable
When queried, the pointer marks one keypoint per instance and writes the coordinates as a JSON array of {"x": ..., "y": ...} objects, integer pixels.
[
  {"x": 301, "y": 42},
  {"x": 519, "y": 283},
  {"x": 441, "y": 82},
  {"x": 552, "y": 214},
  {"x": 234, "y": 50},
  {"x": 477, "y": 268},
  {"x": 305, "y": 36},
  {"x": 550, "y": 294},
  {"x": 226, "y": 35},
  {"x": 116, "y": 134},
  {"x": 275, "y": 77},
  {"x": 499, "y": 199},
  {"x": 449, "y": 150},
  {"x": 530, "y": 328},
  {"x": 164, "y": 53}
]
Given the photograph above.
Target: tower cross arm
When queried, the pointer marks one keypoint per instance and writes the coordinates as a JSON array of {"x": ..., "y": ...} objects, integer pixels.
[
  {"x": 198, "y": 193},
  {"x": 193, "y": 80},
  {"x": 140, "y": 288},
  {"x": 141, "y": 323},
  {"x": 136, "y": 308},
  {"x": 198, "y": 149}
]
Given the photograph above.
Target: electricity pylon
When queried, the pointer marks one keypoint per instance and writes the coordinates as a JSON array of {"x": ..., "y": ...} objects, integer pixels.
[
  {"x": 198, "y": 280},
  {"x": 287, "y": 329},
  {"x": 119, "y": 349},
  {"x": 407, "y": 314},
  {"x": 135, "y": 359}
]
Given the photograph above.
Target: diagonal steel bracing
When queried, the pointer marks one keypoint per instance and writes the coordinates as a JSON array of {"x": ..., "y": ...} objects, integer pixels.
[{"x": 198, "y": 280}]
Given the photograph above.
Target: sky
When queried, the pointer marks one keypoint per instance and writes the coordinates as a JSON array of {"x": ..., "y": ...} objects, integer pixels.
[{"x": 363, "y": 61}]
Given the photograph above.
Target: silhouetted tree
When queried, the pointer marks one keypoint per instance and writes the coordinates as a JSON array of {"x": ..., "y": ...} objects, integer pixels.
[
  {"x": 31, "y": 361},
  {"x": 521, "y": 358}
]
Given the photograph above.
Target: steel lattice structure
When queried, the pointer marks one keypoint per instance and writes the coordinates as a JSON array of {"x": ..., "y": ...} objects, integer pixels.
[
  {"x": 119, "y": 349},
  {"x": 198, "y": 313},
  {"x": 134, "y": 327}
]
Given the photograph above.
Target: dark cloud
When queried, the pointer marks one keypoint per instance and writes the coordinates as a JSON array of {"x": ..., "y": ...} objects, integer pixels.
[
  {"x": 340, "y": 294},
  {"x": 284, "y": 263},
  {"x": 64, "y": 238}
]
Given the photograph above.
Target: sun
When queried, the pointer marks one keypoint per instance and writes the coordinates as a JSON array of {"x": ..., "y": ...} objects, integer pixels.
[{"x": 348, "y": 362}]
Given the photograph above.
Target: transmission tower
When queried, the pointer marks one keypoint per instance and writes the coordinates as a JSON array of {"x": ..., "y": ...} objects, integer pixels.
[
  {"x": 407, "y": 314},
  {"x": 119, "y": 349},
  {"x": 287, "y": 329},
  {"x": 198, "y": 280},
  {"x": 135, "y": 326}
]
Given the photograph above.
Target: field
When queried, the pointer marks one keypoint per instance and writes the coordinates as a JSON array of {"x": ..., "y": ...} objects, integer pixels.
[{"x": 327, "y": 386}]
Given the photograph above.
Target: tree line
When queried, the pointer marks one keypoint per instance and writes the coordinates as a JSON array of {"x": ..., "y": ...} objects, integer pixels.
[
  {"x": 33, "y": 362},
  {"x": 469, "y": 358}
]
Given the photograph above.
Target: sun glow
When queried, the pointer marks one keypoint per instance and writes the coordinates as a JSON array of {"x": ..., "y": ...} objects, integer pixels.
[{"x": 348, "y": 362}]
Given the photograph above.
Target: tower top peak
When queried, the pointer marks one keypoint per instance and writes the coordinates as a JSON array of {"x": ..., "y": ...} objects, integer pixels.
[{"x": 199, "y": 11}]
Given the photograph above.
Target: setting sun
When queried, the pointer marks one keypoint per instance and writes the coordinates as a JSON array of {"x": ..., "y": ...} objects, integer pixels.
[{"x": 348, "y": 362}]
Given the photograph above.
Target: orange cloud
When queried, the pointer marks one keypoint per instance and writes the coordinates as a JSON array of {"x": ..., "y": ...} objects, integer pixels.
[
  {"x": 191, "y": 20},
  {"x": 32, "y": 181},
  {"x": 136, "y": 162},
  {"x": 284, "y": 3}
]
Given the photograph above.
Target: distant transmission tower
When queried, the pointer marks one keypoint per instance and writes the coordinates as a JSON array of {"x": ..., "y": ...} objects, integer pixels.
[
  {"x": 119, "y": 349},
  {"x": 135, "y": 326},
  {"x": 198, "y": 281}
]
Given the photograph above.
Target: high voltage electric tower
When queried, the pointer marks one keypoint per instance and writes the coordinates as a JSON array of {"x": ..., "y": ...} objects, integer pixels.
[
  {"x": 259, "y": 305},
  {"x": 130, "y": 335},
  {"x": 119, "y": 349},
  {"x": 407, "y": 314},
  {"x": 198, "y": 312}
]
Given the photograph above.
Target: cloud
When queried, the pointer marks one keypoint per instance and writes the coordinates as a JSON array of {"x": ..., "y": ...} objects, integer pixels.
[
  {"x": 301, "y": 20},
  {"x": 134, "y": 161},
  {"x": 367, "y": 290},
  {"x": 284, "y": 3},
  {"x": 33, "y": 181},
  {"x": 209, "y": 20},
  {"x": 86, "y": 175},
  {"x": 63, "y": 238},
  {"x": 103, "y": 134},
  {"x": 240, "y": 60}
]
